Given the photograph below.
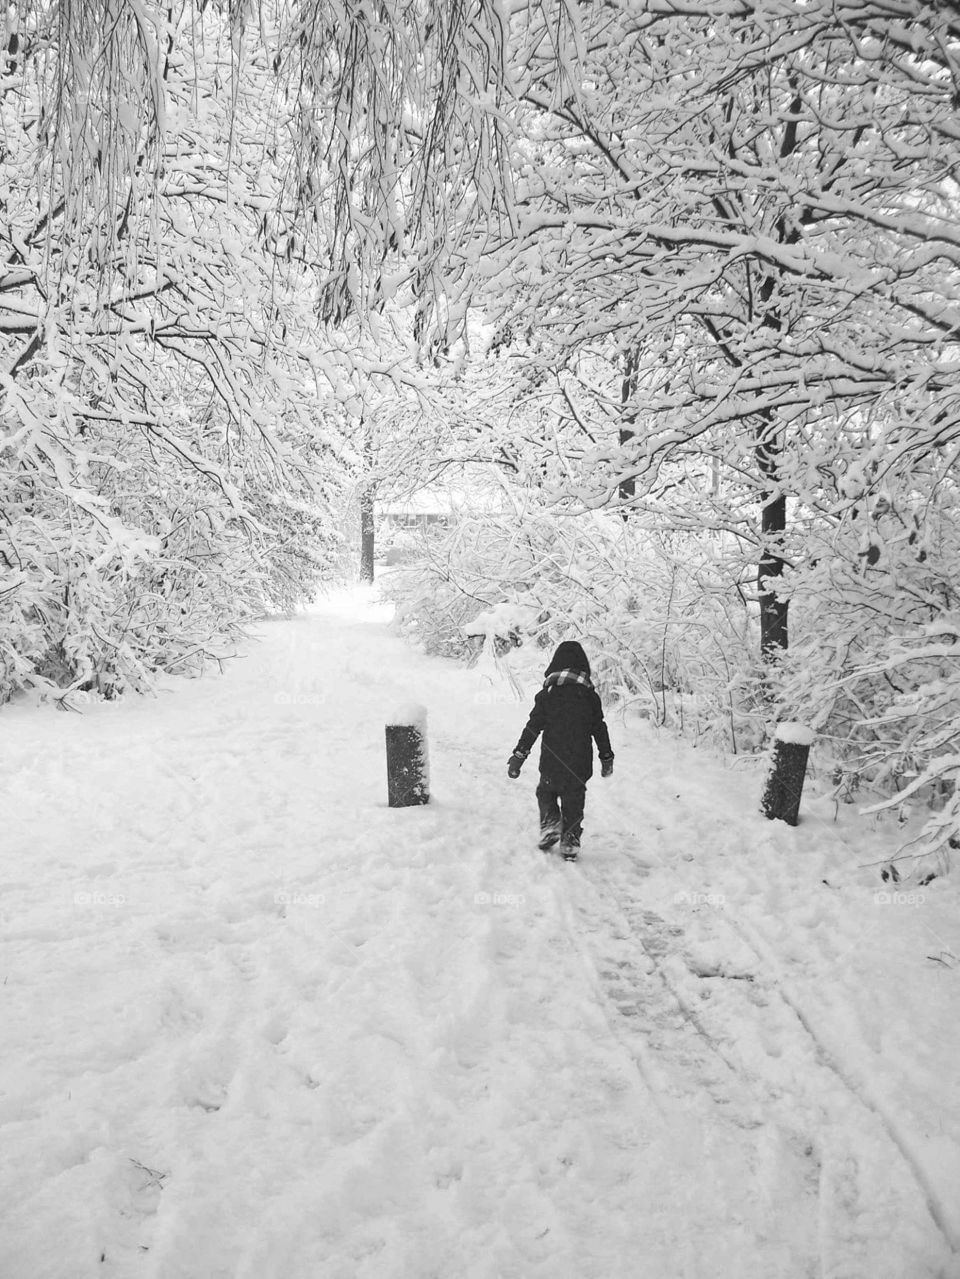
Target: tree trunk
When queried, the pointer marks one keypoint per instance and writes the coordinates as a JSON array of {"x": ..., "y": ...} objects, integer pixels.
[
  {"x": 628, "y": 391},
  {"x": 367, "y": 498},
  {"x": 367, "y": 546},
  {"x": 773, "y": 521},
  {"x": 773, "y": 524}
]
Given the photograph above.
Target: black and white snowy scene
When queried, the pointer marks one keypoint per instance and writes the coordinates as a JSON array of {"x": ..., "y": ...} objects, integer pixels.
[{"x": 480, "y": 639}]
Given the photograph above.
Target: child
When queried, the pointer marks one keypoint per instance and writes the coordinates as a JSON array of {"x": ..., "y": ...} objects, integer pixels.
[{"x": 567, "y": 711}]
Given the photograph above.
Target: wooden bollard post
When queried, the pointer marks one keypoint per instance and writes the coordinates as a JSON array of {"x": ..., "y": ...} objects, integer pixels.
[
  {"x": 781, "y": 795},
  {"x": 408, "y": 769}
]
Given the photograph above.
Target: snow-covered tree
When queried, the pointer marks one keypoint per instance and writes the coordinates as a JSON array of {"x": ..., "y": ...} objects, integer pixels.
[
  {"x": 170, "y": 399},
  {"x": 749, "y": 211}
]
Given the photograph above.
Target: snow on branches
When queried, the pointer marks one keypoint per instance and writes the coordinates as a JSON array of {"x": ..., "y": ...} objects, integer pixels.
[{"x": 169, "y": 450}]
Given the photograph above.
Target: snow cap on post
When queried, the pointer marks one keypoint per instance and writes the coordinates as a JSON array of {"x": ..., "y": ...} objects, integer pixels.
[
  {"x": 408, "y": 770},
  {"x": 411, "y": 714},
  {"x": 799, "y": 734}
]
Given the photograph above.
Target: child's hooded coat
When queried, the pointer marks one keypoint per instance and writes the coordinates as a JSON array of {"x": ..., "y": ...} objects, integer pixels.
[{"x": 568, "y": 712}]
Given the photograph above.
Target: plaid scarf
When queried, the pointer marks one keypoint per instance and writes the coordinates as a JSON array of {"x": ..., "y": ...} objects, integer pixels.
[{"x": 567, "y": 677}]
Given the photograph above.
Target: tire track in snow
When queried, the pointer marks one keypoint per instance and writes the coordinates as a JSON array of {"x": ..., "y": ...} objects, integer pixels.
[
  {"x": 696, "y": 1060},
  {"x": 849, "y": 1187},
  {"x": 693, "y": 1072},
  {"x": 725, "y": 818},
  {"x": 622, "y": 943},
  {"x": 858, "y": 1089}
]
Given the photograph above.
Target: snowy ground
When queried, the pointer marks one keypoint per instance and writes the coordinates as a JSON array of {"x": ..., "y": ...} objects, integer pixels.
[{"x": 257, "y": 1024}]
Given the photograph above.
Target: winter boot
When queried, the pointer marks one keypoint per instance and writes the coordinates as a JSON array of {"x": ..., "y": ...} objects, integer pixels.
[
  {"x": 549, "y": 835},
  {"x": 570, "y": 847}
]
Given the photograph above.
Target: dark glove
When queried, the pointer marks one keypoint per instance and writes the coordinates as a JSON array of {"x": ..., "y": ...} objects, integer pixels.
[
  {"x": 514, "y": 764},
  {"x": 606, "y": 767}
]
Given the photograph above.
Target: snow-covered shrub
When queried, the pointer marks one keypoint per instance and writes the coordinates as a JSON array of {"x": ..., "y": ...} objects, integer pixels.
[
  {"x": 442, "y": 583},
  {"x": 874, "y": 665},
  {"x": 121, "y": 561},
  {"x": 661, "y": 619}
]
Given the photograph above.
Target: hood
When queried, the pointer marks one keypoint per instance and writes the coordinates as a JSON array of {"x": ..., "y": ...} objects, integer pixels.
[{"x": 569, "y": 657}]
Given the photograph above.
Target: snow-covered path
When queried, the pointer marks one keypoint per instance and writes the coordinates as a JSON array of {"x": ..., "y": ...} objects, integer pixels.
[{"x": 258, "y": 1024}]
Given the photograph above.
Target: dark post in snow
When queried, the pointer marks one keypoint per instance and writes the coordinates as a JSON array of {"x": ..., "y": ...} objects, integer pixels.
[
  {"x": 408, "y": 773},
  {"x": 781, "y": 795}
]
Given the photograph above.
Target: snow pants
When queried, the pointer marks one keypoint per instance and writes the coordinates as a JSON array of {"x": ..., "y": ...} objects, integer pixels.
[{"x": 561, "y": 810}]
